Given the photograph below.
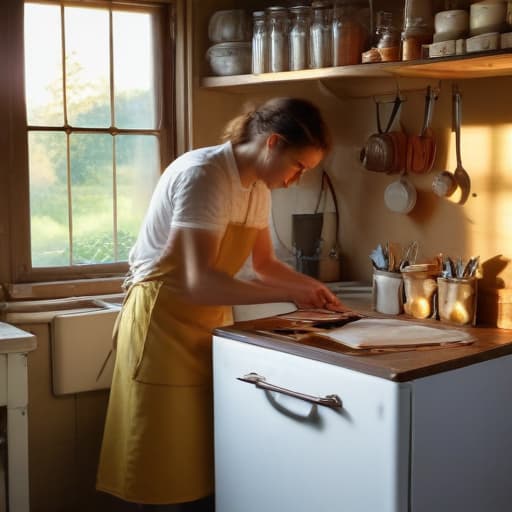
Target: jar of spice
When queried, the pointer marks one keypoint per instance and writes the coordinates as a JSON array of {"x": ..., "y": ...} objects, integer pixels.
[
  {"x": 413, "y": 38},
  {"x": 321, "y": 35},
  {"x": 348, "y": 35},
  {"x": 387, "y": 37},
  {"x": 300, "y": 20},
  {"x": 277, "y": 37},
  {"x": 418, "y": 28},
  {"x": 259, "y": 43}
]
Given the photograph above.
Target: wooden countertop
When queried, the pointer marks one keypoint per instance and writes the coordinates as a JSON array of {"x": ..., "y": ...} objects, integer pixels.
[
  {"x": 14, "y": 340},
  {"x": 397, "y": 365}
]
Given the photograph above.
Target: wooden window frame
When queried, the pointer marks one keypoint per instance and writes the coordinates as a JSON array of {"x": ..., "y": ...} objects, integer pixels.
[{"x": 15, "y": 263}]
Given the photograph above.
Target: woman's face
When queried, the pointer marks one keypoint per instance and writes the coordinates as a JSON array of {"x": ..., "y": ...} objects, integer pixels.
[{"x": 284, "y": 165}]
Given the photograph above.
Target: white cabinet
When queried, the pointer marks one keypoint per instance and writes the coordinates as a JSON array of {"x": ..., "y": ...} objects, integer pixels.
[
  {"x": 438, "y": 443},
  {"x": 14, "y": 345},
  {"x": 275, "y": 453}
]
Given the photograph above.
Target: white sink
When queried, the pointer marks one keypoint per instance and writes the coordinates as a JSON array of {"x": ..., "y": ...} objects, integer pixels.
[{"x": 254, "y": 311}]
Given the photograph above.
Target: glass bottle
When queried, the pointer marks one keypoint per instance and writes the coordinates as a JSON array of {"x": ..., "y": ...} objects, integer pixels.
[
  {"x": 300, "y": 20},
  {"x": 348, "y": 35},
  {"x": 320, "y": 42},
  {"x": 387, "y": 37},
  {"x": 259, "y": 43},
  {"x": 277, "y": 37},
  {"x": 418, "y": 28},
  {"x": 414, "y": 36}
]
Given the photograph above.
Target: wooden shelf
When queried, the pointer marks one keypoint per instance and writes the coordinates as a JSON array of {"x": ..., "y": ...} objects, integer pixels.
[{"x": 480, "y": 65}]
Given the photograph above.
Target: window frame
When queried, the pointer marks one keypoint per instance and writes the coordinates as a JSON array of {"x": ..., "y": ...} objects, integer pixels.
[{"x": 171, "y": 20}]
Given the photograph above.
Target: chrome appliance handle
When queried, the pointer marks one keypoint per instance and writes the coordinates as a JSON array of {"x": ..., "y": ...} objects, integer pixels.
[{"x": 332, "y": 401}]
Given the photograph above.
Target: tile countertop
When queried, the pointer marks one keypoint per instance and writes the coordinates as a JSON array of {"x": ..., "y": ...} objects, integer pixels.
[
  {"x": 14, "y": 340},
  {"x": 400, "y": 366}
]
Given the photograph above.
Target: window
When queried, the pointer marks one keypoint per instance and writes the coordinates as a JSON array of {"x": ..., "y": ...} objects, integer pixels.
[{"x": 97, "y": 112}]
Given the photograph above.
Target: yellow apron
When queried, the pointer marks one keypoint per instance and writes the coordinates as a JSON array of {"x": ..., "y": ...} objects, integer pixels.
[{"x": 158, "y": 439}]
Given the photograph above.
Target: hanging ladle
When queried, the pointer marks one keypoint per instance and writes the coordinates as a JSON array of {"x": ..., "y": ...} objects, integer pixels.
[{"x": 461, "y": 176}]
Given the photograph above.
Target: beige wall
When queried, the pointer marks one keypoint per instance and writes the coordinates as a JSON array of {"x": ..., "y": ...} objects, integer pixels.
[{"x": 480, "y": 227}]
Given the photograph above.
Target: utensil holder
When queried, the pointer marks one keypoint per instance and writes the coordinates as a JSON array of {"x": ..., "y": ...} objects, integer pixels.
[
  {"x": 388, "y": 291},
  {"x": 420, "y": 294},
  {"x": 457, "y": 300}
]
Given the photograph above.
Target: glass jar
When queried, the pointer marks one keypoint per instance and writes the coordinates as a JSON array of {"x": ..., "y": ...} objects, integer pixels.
[
  {"x": 277, "y": 37},
  {"x": 419, "y": 12},
  {"x": 348, "y": 35},
  {"x": 413, "y": 38},
  {"x": 320, "y": 42},
  {"x": 387, "y": 37},
  {"x": 259, "y": 43},
  {"x": 300, "y": 20},
  {"x": 418, "y": 28}
]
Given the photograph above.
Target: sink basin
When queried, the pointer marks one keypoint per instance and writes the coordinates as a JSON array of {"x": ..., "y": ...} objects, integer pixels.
[{"x": 255, "y": 311}]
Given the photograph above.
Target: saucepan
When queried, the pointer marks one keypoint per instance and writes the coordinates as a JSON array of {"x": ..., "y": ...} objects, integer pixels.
[{"x": 385, "y": 151}]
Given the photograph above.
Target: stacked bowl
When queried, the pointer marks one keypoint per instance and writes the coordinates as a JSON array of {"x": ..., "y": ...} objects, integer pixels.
[{"x": 231, "y": 53}]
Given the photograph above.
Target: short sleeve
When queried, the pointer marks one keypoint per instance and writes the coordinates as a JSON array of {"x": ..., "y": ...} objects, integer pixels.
[{"x": 200, "y": 198}]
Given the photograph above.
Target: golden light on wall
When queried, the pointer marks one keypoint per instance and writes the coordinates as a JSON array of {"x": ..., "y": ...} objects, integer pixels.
[{"x": 486, "y": 153}]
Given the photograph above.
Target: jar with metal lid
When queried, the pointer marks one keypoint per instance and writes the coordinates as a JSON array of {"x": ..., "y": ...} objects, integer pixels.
[
  {"x": 320, "y": 43},
  {"x": 259, "y": 43},
  {"x": 387, "y": 37},
  {"x": 277, "y": 37},
  {"x": 300, "y": 20},
  {"x": 418, "y": 28},
  {"x": 414, "y": 37},
  {"x": 348, "y": 35}
]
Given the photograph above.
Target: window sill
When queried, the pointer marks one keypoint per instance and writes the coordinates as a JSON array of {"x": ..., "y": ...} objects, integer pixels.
[{"x": 63, "y": 289}]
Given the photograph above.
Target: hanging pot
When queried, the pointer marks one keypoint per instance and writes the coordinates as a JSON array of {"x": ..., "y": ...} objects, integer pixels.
[
  {"x": 421, "y": 149},
  {"x": 385, "y": 151},
  {"x": 400, "y": 195}
]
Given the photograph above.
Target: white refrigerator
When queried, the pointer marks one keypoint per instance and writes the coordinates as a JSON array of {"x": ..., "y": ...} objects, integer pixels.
[{"x": 441, "y": 443}]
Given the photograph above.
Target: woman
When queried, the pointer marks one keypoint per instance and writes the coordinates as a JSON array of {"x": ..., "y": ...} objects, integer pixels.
[{"x": 208, "y": 213}]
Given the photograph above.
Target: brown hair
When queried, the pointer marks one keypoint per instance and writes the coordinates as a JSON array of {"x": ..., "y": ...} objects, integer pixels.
[{"x": 298, "y": 121}]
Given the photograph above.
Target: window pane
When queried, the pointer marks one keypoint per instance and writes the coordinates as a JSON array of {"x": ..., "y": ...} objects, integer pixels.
[
  {"x": 43, "y": 65},
  {"x": 49, "y": 222},
  {"x": 134, "y": 80},
  {"x": 138, "y": 170},
  {"x": 92, "y": 198},
  {"x": 87, "y": 67}
]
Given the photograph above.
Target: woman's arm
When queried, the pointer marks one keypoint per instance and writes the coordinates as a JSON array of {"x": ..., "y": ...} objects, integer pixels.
[
  {"x": 191, "y": 254},
  {"x": 273, "y": 272}
]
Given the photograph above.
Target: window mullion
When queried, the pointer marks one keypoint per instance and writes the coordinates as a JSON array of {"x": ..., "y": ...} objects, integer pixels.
[
  {"x": 70, "y": 199},
  {"x": 113, "y": 124},
  {"x": 64, "y": 70}
]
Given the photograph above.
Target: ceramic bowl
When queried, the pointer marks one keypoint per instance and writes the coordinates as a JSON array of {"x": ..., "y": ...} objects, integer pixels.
[
  {"x": 230, "y": 58},
  {"x": 456, "y": 21},
  {"x": 229, "y": 26},
  {"x": 487, "y": 16}
]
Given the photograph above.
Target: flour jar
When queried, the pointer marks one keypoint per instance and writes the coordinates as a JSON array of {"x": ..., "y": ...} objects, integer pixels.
[
  {"x": 388, "y": 289},
  {"x": 300, "y": 21},
  {"x": 420, "y": 288},
  {"x": 457, "y": 300},
  {"x": 277, "y": 36},
  {"x": 320, "y": 41},
  {"x": 259, "y": 43}
]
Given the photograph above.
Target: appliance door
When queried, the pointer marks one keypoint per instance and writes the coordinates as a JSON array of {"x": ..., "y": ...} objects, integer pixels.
[{"x": 275, "y": 452}]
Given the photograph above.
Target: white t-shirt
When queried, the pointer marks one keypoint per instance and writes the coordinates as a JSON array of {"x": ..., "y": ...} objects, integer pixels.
[{"x": 200, "y": 189}]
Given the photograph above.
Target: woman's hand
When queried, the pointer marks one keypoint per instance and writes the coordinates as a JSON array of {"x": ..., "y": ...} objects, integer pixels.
[{"x": 313, "y": 294}]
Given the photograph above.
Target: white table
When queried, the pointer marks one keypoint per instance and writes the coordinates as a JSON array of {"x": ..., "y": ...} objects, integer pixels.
[{"x": 14, "y": 346}]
